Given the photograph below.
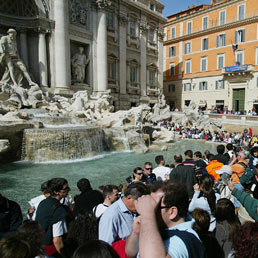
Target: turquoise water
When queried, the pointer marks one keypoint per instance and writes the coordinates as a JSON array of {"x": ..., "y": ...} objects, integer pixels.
[{"x": 21, "y": 181}]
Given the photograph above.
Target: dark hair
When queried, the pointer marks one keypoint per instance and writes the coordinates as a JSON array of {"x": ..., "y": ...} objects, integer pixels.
[
  {"x": 158, "y": 159},
  {"x": 13, "y": 246},
  {"x": 210, "y": 157},
  {"x": 44, "y": 188},
  {"x": 178, "y": 158},
  {"x": 220, "y": 149},
  {"x": 198, "y": 154},
  {"x": 84, "y": 228},
  {"x": 175, "y": 194},
  {"x": 136, "y": 169},
  {"x": 202, "y": 221},
  {"x": 84, "y": 184},
  {"x": 225, "y": 211},
  {"x": 55, "y": 185},
  {"x": 108, "y": 189},
  {"x": 29, "y": 231},
  {"x": 229, "y": 146},
  {"x": 207, "y": 182},
  {"x": 245, "y": 241},
  {"x": 206, "y": 153},
  {"x": 136, "y": 190},
  {"x": 155, "y": 186},
  {"x": 147, "y": 163},
  {"x": 253, "y": 150},
  {"x": 95, "y": 249},
  {"x": 189, "y": 153}
]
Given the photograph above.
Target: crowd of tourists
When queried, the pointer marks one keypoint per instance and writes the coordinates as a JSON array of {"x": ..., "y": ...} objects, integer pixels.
[{"x": 203, "y": 205}]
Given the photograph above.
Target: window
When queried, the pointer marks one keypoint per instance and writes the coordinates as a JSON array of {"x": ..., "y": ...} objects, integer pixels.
[
  {"x": 222, "y": 17},
  {"x": 220, "y": 61},
  {"x": 205, "y": 44},
  {"x": 205, "y": 23},
  {"x": 188, "y": 68},
  {"x": 171, "y": 88},
  {"x": 151, "y": 35},
  {"x": 220, "y": 84},
  {"x": 239, "y": 58},
  {"x": 172, "y": 51},
  {"x": 110, "y": 21},
  {"x": 112, "y": 70},
  {"x": 152, "y": 77},
  {"x": 187, "y": 86},
  {"x": 152, "y": 7},
  {"x": 256, "y": 61},
  {"x": 203, "y": 85},
  {"x": 221, "y": 40},
  {"x": 188, "y": 48},
  {"x": 173, "y": 33},
  {"x": 240, "y": 36},
  {"x": 189, "y": 27},
  {"x": 204, "y": 64},
  {"x": 241, "y": 12},
  {"x": 132, "y": 28},
  {"x": 133, "y": 74},
  {"x": 172, "y": 69}
]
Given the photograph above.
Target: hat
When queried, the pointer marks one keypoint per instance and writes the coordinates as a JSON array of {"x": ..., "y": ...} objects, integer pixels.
[{"x": 225, "y": 169}]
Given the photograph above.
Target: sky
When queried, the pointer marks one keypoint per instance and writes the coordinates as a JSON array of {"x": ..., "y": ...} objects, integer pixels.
[{"x": 176, "y": 6}]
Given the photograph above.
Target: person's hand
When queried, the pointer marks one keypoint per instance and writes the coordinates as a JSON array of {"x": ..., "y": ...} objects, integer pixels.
[
  {"x": 196, "y": 187},
  {"x": 230, "y": 184},
  {"x": 146, "y": 205},
  {"x": 31, "y": 211}
]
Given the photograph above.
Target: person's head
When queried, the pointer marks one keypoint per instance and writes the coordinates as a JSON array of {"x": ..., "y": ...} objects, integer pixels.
[
  {"x": 32, "y": 232},
  {"x": 188, "y": 154},
  {"x": 95, "y": 249},
  {"x": 229, "y": 146},
  {"x": 132, "y": 193},
  {"x": 202, "y": 221},
  {"x": 254, "y": 151},
  {"x": 84, "y": 185},
  {"x": 160, "y": 160},
  {"x": 174, "y": 203},
  {"x": 58, "y": 187},
  {"x": 220, "y": 149},
  {"x": 210, "y": 157},
  {"x": 205, "y": 154},
  {"x": 14, "y": 247},
  {"x": 225, "y": 172},
  {"x": 111, "y": 193},
  {"x": 137, "y": 174},
  {"x": 12, "y": 33},
  {"x": 147, "y": 168},
  {"x": 178, "y": 158},
  {"x": 44, "y": 189},
  {"x": 245, "y": 241},
  {"x": 197, "y": 155},
  {"x": 81, "y": 49},
  {"x": 241, "y": 156}
]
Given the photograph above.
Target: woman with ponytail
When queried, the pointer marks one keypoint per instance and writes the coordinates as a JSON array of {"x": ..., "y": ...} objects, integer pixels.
[{"x": 205, "y": 198}]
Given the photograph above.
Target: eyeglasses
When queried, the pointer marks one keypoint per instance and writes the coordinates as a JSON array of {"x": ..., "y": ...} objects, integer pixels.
[
  {"x": 140, "y": 174},
  {"x": 148, "y": 168}
]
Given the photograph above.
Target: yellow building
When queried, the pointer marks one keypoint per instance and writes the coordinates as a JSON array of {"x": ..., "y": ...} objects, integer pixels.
[{"x": 211, "y": 56}]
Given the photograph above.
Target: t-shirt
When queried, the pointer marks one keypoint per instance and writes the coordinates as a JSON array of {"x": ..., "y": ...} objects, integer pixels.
[
  {"x": 161, "y": 172},
  {"x": 99, "y": 210}
]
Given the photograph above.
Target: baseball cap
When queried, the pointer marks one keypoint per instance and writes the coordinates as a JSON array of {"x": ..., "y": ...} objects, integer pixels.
[{"x": 225, "y": 169}]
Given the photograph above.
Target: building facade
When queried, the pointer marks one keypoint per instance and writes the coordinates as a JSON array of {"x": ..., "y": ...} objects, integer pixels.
[
  {"x": 211, "y": 56},
  {"x": 92, "y": 45}
]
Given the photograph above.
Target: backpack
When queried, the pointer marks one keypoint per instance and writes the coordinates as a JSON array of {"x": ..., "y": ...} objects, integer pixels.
[
  {"x": 248, "y": 175},
  {"x": 193, "y": 245}
]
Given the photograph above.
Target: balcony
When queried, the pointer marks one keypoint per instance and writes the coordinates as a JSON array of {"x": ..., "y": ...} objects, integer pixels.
[
  {"x": 152, "y": 90},
  {"x": 133, "y": 88}
]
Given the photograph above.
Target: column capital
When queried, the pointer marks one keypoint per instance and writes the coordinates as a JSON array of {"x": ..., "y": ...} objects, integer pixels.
[
  {"x": 161, "y": 35},
  {"x": 101, "y": 4},
  {"x": 143, "y": 28},
  {"x": 123, "y": 20}
]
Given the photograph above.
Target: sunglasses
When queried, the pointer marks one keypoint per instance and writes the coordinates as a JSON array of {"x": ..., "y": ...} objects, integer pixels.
[
  {"x": 140, "y": 174},
  {"x": 148, "y": 168}
]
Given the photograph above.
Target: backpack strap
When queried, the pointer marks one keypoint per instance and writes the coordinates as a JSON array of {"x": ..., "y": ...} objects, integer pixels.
[
  {"x": 193, "y": 244},
  {"x": 242, "y": 164}
]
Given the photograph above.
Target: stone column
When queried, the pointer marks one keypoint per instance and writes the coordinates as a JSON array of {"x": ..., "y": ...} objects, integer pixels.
[
  {"x": 160, "y": 59},
  {"x": 143, "y": 67},
  {"x": 24, "y": 48},
  {"x": 62, "y": 47},
  {"x": 101, "y": 41},
  {"x": 43, "y": 74}
]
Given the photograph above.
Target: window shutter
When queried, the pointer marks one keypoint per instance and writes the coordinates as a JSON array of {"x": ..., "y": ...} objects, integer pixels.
[
  {"x": 206, "y": 85},
  {"x": 170, "y": 51},
  {"x": 200, "y": 85},
  {"x": 174, "y": 50},
  {"x": 223, "y": 84},
  {"x": 236, "y": 38},
  {"x": 184, "y": 86},
  {"x": 217, "y": 41},
  {"x": 225, "y": 40},
  {"x": 217, "y": 85},
  {"x": 185, "y": 48},
  {"x": 243, "y": 36}
]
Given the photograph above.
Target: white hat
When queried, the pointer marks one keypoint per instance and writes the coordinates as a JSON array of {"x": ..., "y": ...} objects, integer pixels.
[{"x": 225, "y": 169}]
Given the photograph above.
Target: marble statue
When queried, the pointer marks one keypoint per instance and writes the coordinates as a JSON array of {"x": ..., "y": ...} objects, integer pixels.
[
  {"x": 15, "y": 69},
  {"x": 79, "y": 63}
]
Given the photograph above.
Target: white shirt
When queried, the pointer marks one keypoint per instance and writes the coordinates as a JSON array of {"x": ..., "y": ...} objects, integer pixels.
[
  {"x": 161, "y": 172},
  {"x": 99, "y": 209}
]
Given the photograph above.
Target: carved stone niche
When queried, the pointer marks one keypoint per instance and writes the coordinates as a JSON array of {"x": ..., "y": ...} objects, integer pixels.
[{"x": 80, "y": 66}]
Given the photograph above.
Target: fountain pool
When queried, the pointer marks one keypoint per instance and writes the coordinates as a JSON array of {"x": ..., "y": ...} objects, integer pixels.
[{"x": 20, "y": 181}]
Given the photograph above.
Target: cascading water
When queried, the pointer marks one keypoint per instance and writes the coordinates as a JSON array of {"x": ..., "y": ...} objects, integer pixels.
[
  {"x": 48, "y": 144},
  {"x": 120, "y": 137}
]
